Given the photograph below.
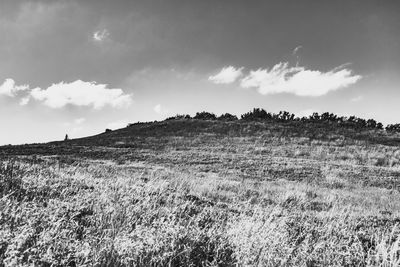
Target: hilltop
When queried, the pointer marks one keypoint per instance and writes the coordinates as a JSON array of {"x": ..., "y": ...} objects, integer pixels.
[{"x": 206, "y": 126}]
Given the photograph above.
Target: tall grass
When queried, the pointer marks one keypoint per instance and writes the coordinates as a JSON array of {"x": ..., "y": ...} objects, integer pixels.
[{"x": 97, "y": 213}]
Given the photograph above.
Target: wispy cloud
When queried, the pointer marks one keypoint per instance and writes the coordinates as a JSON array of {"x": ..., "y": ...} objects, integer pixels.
[
  {"x": 101, "y": 35},
  {"x": 295, "y": 53},
  {"x": 9, "y": 88},
  {"x": 297, "y": 49},
  {"x": 80, "y": 93},
  {"x": 160, "y": 110},
  {"x": 298, "y": 80},
  {"x": 227, "y": 75}
]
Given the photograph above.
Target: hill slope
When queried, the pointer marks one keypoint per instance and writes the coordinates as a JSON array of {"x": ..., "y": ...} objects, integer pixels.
[{"x": 204, "y": 193}]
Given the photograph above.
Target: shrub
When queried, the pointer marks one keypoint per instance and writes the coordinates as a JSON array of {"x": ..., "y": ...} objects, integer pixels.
[
  {"x": 205, "y": 116},
  {"x": 256, "y": 114},
  {"x": 393, "y": 128},
  {"x": 227, "y": 117},
  {"x": 284, "y": 116},
  {"x": 179, "y": 117}
]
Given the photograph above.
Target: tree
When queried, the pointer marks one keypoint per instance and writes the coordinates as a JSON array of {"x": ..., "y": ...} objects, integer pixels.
[
  {"x": 393, "y": 128},
  {"x": 371, "y": 123}
]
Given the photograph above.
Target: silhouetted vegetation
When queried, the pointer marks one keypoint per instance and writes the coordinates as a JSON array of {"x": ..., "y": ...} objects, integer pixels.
[
  {"x": 227, "y": 117},
  {"x": 261, "y": 115},
  {"x": 256, "y": 114},
  {"x": 205, "y": 116},
  {"x": 179, "y": 117},
  {"x": 393, "y": 128},
  {"x": 108, "y": 131}
]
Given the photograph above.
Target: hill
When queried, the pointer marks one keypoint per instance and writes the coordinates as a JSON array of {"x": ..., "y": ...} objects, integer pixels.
[{"x": 193, "y": 192}]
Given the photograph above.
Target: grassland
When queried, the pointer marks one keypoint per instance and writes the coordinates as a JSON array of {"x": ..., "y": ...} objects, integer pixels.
[{"x": 202, "y": 193}]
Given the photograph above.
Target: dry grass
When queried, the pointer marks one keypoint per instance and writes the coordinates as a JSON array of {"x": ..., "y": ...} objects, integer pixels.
[
  {"x": 204, "y": 200},
  {"x": 102, "y": 214}
]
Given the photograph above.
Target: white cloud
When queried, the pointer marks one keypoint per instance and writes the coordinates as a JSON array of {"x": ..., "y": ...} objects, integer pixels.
[
  {"x": 160, "y": 110},
  {"x": 298, "y": 80},
  {"x": 157, "y": 108},
  {"x": 227, "y": 75},
  {"x": 100, "y": 35},
  {"x": 80, "y": 93},
  {"x": 9, "y": 88},
  {"x": 117, "y": 124},
  {"x": 24, "y": 101}
]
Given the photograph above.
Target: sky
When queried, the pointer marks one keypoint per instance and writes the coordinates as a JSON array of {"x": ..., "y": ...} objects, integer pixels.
[{"x": 78, "y": 67}]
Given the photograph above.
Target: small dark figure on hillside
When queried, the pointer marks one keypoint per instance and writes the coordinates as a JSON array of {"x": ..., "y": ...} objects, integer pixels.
[
  {"x": 108, "y": 130},
  {"x": 66, "y": 137}
]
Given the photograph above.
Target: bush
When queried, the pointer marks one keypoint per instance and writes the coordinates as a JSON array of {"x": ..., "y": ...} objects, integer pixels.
[
  {"x": 179, "y": 117},
  {"x": 256, "y": 114},
  {"x": 227, "y": 117},
  {"x": 393, "y": 128},
  {"x": 205, "y": 116},
  {"x": 283, "y": 116}
]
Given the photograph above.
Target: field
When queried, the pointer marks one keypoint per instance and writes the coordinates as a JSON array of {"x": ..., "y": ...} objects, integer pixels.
[{"x": 202, "y": 193}]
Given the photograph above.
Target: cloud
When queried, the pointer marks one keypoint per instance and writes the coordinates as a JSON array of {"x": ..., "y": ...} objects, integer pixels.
[
  {"x": 8, "y": 88},
  {"x": 100, "y": 35},
  {"x": 24, "y": 101},
  {"x": 117, "y": 124},
  {"x": 297, "y": 49},
  {"x": 80, "y": 93},
  {"x": 298, "y": 80},
  {"x": 227, "y": 75},
  {"x": 160, "y": 110}
]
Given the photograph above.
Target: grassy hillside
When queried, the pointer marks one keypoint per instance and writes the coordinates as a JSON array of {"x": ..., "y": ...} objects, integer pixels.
[{"x": 204, "y": 193}]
